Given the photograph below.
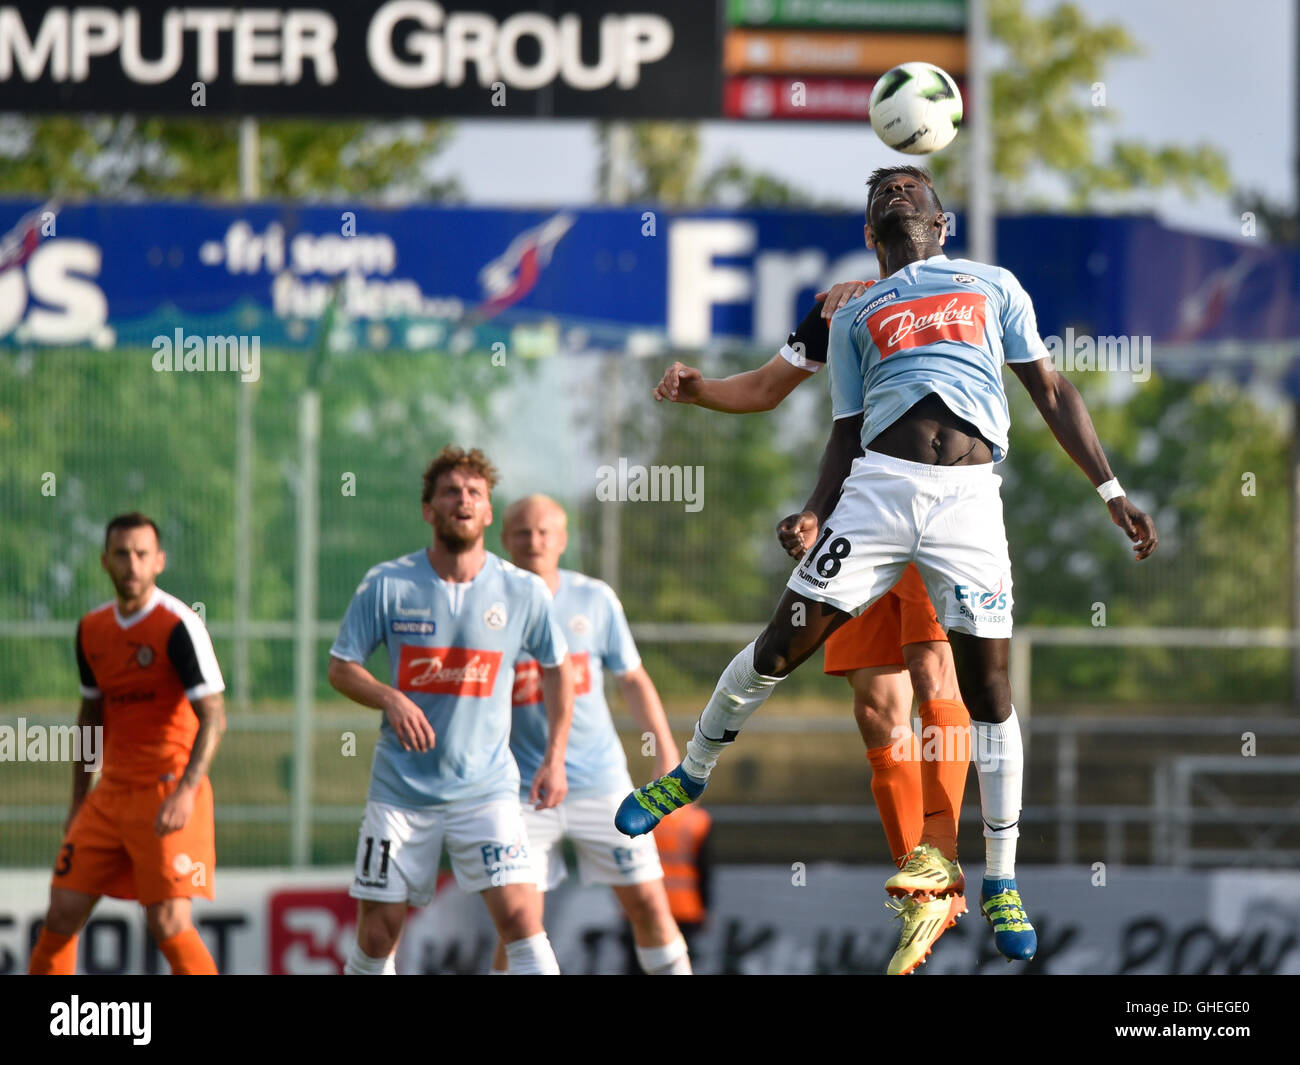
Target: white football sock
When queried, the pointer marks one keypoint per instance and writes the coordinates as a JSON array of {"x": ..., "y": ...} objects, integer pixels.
[
  {"x": 671, "y": 959},
  {"x": 360, "y": 963},
  {"x": 739, "y": 693},
  {"x": 532, "y": 957},
  {"x": 1000, "y": 763}
]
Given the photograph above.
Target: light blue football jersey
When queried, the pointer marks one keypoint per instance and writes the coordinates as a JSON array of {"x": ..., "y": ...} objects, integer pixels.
[
  {"x": 599, "y": 639},
  {"x": 938, "y": 325},
  {"x": 451, "y": 649}
]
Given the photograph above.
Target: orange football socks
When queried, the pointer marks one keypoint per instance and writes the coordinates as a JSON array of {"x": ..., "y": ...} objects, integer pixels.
[
  {"x": 53, "y": 955},
  {"x": 896, "y": 787},
  {"x": 187, "y": 955},
  {"x": 945, "y": 762}
]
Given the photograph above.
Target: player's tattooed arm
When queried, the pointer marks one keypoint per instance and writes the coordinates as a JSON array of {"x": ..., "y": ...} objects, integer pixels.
[
  {"x": 799, "y": 531},
  {"x": 175, "y": 811},
  {"x": 743, "y": 393},
  {"x": 405, "y": 718},
  {"x": 550, "y": 785},
  {"x": 1065, "y": 413},
  {"x": 647, "y": 711},
  {"x": 91, "y": 715}
]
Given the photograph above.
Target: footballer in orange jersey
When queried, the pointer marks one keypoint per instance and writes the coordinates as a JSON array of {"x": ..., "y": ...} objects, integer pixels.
[{"x": 150, "y": 679}]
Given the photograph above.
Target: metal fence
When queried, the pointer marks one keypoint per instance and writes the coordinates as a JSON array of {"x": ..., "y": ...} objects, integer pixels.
[
  {"x": 264, "y": 555},
  {"x": 1184, "y": 773}
]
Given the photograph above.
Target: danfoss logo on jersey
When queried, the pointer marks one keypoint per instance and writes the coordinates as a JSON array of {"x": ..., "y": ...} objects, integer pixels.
[
  {"x": 528, "y": 679},
  {"x": 929, "y": 320},
  {"x": 447, "y": 670}
]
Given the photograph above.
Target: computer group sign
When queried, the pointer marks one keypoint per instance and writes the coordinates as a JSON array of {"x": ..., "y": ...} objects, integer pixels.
[{"x": 576, "y": 58}]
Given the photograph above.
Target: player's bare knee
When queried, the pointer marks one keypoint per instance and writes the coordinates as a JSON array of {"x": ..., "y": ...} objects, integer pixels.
[
  {"x": 378, "y": 927},
  {"x": 864, "y": 714},
  {"x": 375, "y": 940},
  {"x": 516, "y": 924},
  {"x": 988, "y": 696},
  {"x": 772, "y": 653},
  {"x": 875, "y": 724},
  {"x": 927, "y": 679},
  {"x": 67, "y": 913},
  {"x": 168, "y": 918},
  {"x": 646, "y": 905}
]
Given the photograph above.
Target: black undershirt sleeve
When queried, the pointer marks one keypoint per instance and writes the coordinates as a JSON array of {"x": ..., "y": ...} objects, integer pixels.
[
  {"x": 83, "y": 666},
  {"x": 814, "y": 334},
  {"x": 183, "y": 657}
]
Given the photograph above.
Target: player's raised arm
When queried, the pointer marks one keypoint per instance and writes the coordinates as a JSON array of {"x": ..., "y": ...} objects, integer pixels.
[
  {"x": 1067, "y": 416},
  {"x": 550, "y": 785},
  {"x": 743, "y": 393},
  {"x": 803, "y": 354},
  {"x": 1065, "y": 413}
]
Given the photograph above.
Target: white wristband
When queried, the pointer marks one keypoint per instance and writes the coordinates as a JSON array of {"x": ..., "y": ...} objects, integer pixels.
[{"x": 1110, "y": 490}]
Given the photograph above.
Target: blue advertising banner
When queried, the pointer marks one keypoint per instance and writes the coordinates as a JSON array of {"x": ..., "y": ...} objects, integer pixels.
[{"x": 96, "y": 273}]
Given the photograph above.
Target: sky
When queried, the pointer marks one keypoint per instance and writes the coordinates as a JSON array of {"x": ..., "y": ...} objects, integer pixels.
[{"x": 1211, "y": 72}]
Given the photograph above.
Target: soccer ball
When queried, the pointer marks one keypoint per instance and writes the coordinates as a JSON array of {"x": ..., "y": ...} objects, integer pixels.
[{"x": 916, "y": 108}]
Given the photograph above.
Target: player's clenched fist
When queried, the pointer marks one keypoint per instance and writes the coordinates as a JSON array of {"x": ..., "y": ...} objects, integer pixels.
[
  {"x": 680, "y": 384},
  {"x": 410, "y": 724},
  {"x": 797, "y": 533}
]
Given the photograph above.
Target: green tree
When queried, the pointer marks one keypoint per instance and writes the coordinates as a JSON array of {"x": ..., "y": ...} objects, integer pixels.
[
  {"x": 128, "y": 156},
  {"x": 1184, "y": 450},
  {"x": 1049, "y": 105},
  {"x": 664, "y": 168}
]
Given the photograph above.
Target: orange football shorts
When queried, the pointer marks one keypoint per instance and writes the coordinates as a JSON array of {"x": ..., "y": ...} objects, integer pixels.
[
  {"x": 875, "y": 637},
  {"x": 112, "y": 849}
]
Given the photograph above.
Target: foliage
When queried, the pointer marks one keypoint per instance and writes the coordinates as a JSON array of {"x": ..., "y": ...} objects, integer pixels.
[
  {"x": 1049, "y": 109},
  {"x": 1180, "y": 448},
  {"x": 131, "y": 157},
  {"x": 665, "y": 168}
]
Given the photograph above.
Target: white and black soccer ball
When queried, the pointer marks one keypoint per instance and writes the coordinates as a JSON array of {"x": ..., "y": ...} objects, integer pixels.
[{"x": 916, "y": 108}]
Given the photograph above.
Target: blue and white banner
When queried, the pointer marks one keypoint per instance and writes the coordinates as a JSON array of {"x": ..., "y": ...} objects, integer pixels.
[{"x": 98, "y": 274}]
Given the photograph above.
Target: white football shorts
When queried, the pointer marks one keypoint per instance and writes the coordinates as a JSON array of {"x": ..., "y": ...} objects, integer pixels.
[
  {"x": 946, "y": 519},
  {"x": 605, "y": 855},
  {"x": 399, "y": 849}
]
